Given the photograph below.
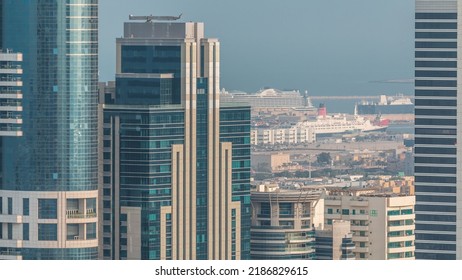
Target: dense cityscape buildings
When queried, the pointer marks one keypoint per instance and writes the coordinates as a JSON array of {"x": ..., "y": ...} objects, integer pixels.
[
  {"x": 437, "y": 131},
  {"x": 176, "y": 161},
  {"x": 49, "y": 184},
  {"x": 161, "y": 164}
]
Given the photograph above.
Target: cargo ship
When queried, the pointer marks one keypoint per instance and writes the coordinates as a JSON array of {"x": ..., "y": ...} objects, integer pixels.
[{"x": 399, "y": 105}]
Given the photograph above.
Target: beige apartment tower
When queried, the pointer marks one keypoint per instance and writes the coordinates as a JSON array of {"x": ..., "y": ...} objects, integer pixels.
[{"x": 382, "y": 224}]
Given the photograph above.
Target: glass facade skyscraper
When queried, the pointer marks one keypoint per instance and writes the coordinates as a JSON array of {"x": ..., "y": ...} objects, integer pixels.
[
  {"x": 176, "y": 164},
  {"x": 438, "y": 150},
  {"x": 52, "y": 170}
]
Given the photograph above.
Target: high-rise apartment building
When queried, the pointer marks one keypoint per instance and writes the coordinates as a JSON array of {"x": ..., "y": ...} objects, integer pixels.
[
  {"x": 438, "y": 148},
  {"x": 49, "y": 187},
  {"x": 382, "y": 224},
  {"x": 176, "y": 163}
]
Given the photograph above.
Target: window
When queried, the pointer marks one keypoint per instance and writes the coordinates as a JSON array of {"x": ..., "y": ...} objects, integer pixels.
[
  {"x": 10, "y": 231},
  {"x": 73, "y": 232},
  {"x": 72, "y": 204},
  {"x": 10, "y": 206},
  {"x": 1, "y": 230},
  {"x": 91, "y": 230},
  {"x": 329, "y": 211},
  {"x": 47, "y": 232},
  {"x": 25, "y": 207},
  {"x": 47, "y": 209},
  {"x": 285, "y": 209},
  {"x": 91, "y": 206},
  {"x": 345, "y": 211},
  {"x": 25, "y": 231},
  {"x": 1, "y": 205}
]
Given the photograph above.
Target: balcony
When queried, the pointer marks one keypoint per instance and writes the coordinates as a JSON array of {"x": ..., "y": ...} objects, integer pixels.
[
  {"x": 401, "y": 238},
  {"x": 10, "y": 120},
  {"x": 360, "y": 238},
  {"x": 9, "y": 83},
  {"x": 401, "y": 249},
  {"x": 401, "y": 217},
  {"x": 332, "y": 202},
  {"x": 362, "y": 249},
  {"x": 334, "y": 216},
  {"x": 11, "y": 70},
  {"x": 359, "y": 203},
  {"x": 359, "y": 217},
  {"x": 11, "y": 243},
  {"x": 76, "y": 214},
  {"x": 359, "y": 228},
  {"x": 401, "y": 227},
  {"x": 10, "y": 133},
  {"x": 10, "y": 255},
  {"x": 12, "y": 219}
]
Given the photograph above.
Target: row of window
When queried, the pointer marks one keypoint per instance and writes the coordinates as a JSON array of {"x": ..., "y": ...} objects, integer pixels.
[
  {"x": 49, "y": 232},
  {"x": 434, "y": 179},
  {"x": 436, "y": 45},
  {"x": 48, "y": 208},
  {"x": 427, "y": 121},
  {"x": 436, "y": 92},
  {"x": 436, "y": 83},
  {"x": 435, "y": 102},
  {"x": 437, "y": 160},
  {"x": 436, "y": 35},
  {"x": 434, "y": 131},
  {"x": 436, "y": 151},
  {"x": 435, "y": 64}
]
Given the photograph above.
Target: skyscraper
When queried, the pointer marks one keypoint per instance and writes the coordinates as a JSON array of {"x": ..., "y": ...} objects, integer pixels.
[
  {"x": 438, "y": 147},
  {"x": 49, "y": 186},
  {"x": 176, "y": 164}
]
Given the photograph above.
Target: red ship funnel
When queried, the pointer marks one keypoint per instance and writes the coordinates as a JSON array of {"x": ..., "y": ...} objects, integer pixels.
[{"x": 322, "y": 110}]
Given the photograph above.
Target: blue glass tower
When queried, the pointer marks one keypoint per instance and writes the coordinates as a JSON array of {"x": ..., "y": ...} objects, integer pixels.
[
  {"x": 50, "y": 174},
  {"x": 177, "y": 165}
]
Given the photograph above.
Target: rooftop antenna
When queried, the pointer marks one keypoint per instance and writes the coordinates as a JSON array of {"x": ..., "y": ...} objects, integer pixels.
[{"x": 150, "y": 18}]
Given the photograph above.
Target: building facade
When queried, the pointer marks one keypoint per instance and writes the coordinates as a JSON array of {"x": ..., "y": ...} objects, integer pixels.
[
  {"x": 10, "y": 93},
  {"x": 336, "y": 243},
  {"x": 49, "y": 187},
  {"x": 176, "y": 164},
  {"x": 282, "y": 223},
  {"x": 274, "y": 136},
  {"x": 382, "y": 224},
  {"x": 438, "y": 148}
]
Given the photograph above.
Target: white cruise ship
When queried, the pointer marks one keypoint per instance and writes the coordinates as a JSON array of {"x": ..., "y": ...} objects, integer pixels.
[{"x": 341, "y": 123}]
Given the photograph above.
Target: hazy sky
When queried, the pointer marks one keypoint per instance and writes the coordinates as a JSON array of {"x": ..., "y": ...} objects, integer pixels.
[{"x": 328, "y": 47}]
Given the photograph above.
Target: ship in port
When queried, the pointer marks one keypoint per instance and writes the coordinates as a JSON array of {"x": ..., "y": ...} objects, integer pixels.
[
  {"x": 326, "y": 125},
  {"x": 396, "y": 105},
  {"x": 314, "y": 127}
]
